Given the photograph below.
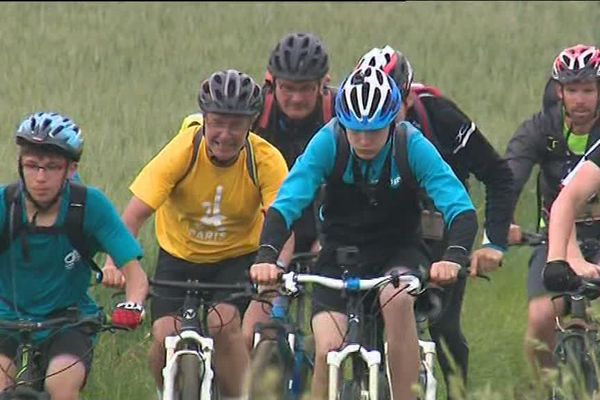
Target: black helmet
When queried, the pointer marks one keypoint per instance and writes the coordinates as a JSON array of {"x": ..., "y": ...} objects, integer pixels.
[
  {"x": 230, "y": 92},
  {"x": 299, "y": 57}
]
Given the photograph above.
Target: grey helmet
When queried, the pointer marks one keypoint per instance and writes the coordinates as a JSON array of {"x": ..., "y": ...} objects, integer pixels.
[
  {"x": 230, "y": 92},
  {"x": 51, "y": 129},
  {"x": 299, "y": 57}
]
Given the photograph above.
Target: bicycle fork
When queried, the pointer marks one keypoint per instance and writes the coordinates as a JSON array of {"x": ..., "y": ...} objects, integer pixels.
[
  {"x": 169, "y": 372},
  {"x": 371, "y": 358}
]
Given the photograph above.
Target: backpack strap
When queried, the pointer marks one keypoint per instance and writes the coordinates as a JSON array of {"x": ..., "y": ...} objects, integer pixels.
[
  {"x": 400, "y": 148},
  {"x": 12, "y": 206},
  {"x": 74, "y": 225},
  {"x": 195, "y": 150},
  {"x": 419, "y": 108},
  {"x": 251, "y": 162},
  {"x": 327, "y": 101},
  {"x": 342, "y": 153},
  {"x": 269, "y": 98}
]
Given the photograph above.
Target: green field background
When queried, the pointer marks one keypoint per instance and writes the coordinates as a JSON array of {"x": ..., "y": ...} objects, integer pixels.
[{"x": 129, "y": 72}]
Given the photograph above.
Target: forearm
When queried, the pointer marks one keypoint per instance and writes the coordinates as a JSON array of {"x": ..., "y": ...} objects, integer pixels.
[
  {"x": 273, "y": 237},
  {"x": 573, "y": 249},
  {"x": 461, "y": 235},
  {"x": 288, "y": 251},
  {"x": 136, "y": 289},
  {"x": 562, "y": 218},
  {"x": 499, "y": 207}
]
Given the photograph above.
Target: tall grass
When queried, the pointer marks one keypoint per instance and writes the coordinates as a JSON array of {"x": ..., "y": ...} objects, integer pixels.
[{"x": 129, "y": 72}]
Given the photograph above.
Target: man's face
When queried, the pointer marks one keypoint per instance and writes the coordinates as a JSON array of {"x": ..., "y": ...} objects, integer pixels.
[
  {"x": 580, "y": 100},
  {"x": 45, "y": 175},
  {"x": 297, "y": 100},
  {"x": 225, "y": 135},
  {"x": 367, "y": 144}
]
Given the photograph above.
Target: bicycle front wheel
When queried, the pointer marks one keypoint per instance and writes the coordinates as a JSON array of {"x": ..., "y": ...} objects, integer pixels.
[
  {"x": 188, "y": 377},
  {"x": 350, "y": 391},
  {"x": 576, "y": 369},
  {"x": 269, "y": 372}
]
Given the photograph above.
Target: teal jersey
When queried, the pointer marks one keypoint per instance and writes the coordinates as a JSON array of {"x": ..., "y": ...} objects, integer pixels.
[{"x": 55, "y": 277}]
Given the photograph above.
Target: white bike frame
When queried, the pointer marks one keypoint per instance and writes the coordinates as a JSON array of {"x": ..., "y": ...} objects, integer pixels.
[
  {"x": 170, "y": 369},
  {"x": 371, "y": 358}
]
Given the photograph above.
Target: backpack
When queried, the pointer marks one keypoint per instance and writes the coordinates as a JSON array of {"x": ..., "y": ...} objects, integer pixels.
[
  {"x": 72, "y": 227},
  {"x": 432, "y": 223},
  {"x": 269, "y": 98},
  {"x": 421, "y": 91},
  {"x": 195, "y": 120}
]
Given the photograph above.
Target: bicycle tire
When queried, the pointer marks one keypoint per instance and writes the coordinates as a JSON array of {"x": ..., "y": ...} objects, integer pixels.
[
  {"x": 188, "y": 377},
  {"x": 270, "y": 372},
  {"x": 575, "y": 365},
  {"x": 25, "y": 394},
  {"x": 350, "y": 391}
]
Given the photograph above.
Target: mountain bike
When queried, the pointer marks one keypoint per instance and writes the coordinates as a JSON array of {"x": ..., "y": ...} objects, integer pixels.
[
  {"x": 281, "y": 362},
  {"x": 366, "y": 377},
  {"x": 30, "y": 376},
  {"x": 188, "y": 372},
  {"x": 577, "y": 350}
]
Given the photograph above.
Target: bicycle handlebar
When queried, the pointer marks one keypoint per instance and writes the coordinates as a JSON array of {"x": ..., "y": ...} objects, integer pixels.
[
  {"x": 291, "y": 279},
  {"x": 203, "y": 287},
  {"x": 97, "y": 321}
]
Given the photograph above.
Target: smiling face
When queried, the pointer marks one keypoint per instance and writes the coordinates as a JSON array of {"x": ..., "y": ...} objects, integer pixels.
[
  {"x": 225, "y": 135},
  {"x": 367, "y": 144}
]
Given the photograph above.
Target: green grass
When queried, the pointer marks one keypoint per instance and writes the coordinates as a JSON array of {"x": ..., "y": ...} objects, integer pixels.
[{"x": 129, "y": 72}]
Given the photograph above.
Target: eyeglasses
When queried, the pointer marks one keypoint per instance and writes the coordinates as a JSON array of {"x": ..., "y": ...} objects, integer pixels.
[
  {"x": 303, "y": 90},
  {"x": 31, "y": 168}
]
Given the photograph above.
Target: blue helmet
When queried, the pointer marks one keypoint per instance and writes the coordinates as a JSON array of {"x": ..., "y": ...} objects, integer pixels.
[
  {"x": 368, "y": 100},
  {"x": 51, "y": 129}
]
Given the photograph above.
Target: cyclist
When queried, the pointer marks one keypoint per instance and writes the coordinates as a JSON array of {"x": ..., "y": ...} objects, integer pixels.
[
  {"x": 555, "y": 139},
  {"x": 467, "y": 151},
  {"x": 43, "y": 272},
  {"x": 298, "y": 102},
  {"x": 370, "y": 204},
  {"x": 209, "y": 214}
]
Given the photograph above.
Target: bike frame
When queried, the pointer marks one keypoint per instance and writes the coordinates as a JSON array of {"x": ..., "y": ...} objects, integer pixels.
[
  {"x": 352, "y": 287},
  {"x": 28, "y": 377},
  {"x": 289, "y": 335}
]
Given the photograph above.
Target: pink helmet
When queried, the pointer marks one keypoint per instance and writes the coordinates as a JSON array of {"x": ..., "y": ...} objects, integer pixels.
[{"x": 577, "y": 63}]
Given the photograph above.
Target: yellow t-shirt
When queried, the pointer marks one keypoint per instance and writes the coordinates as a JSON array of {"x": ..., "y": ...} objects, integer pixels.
[{"x": 215, "y": 213}]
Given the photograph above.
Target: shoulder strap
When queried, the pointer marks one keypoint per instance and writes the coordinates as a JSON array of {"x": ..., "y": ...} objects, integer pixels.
[
  {"x": 400, "y": 148},
  {"x": 195, "y": 150},
  {"x": 327, "y": 105},
  {"x": 251, "y": 162},
  {"x": 423, "y": 116},
  {"x": 74, "y": 224},
  {"x": 11, "y": 204},
  {"x": 342, "y": 153},
  {"x": 263, "y": 119}
]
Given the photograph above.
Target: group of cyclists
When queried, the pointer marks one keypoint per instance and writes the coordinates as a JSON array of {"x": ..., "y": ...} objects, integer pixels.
[{"x": 261, "y": 172}]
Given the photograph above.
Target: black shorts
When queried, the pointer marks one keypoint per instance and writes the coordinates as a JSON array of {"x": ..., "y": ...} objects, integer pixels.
[
  {"x": 169, "y": 301},
  {"x": 373, "y": 261},
  {"x": 76, "y": 342}
]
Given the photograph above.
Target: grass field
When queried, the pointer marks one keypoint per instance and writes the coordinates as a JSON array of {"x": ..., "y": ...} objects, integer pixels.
[{"x": 129, "y": 72}]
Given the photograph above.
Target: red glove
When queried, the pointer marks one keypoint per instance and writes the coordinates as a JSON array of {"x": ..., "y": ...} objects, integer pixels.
[{"x": 128, "y": 315}]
